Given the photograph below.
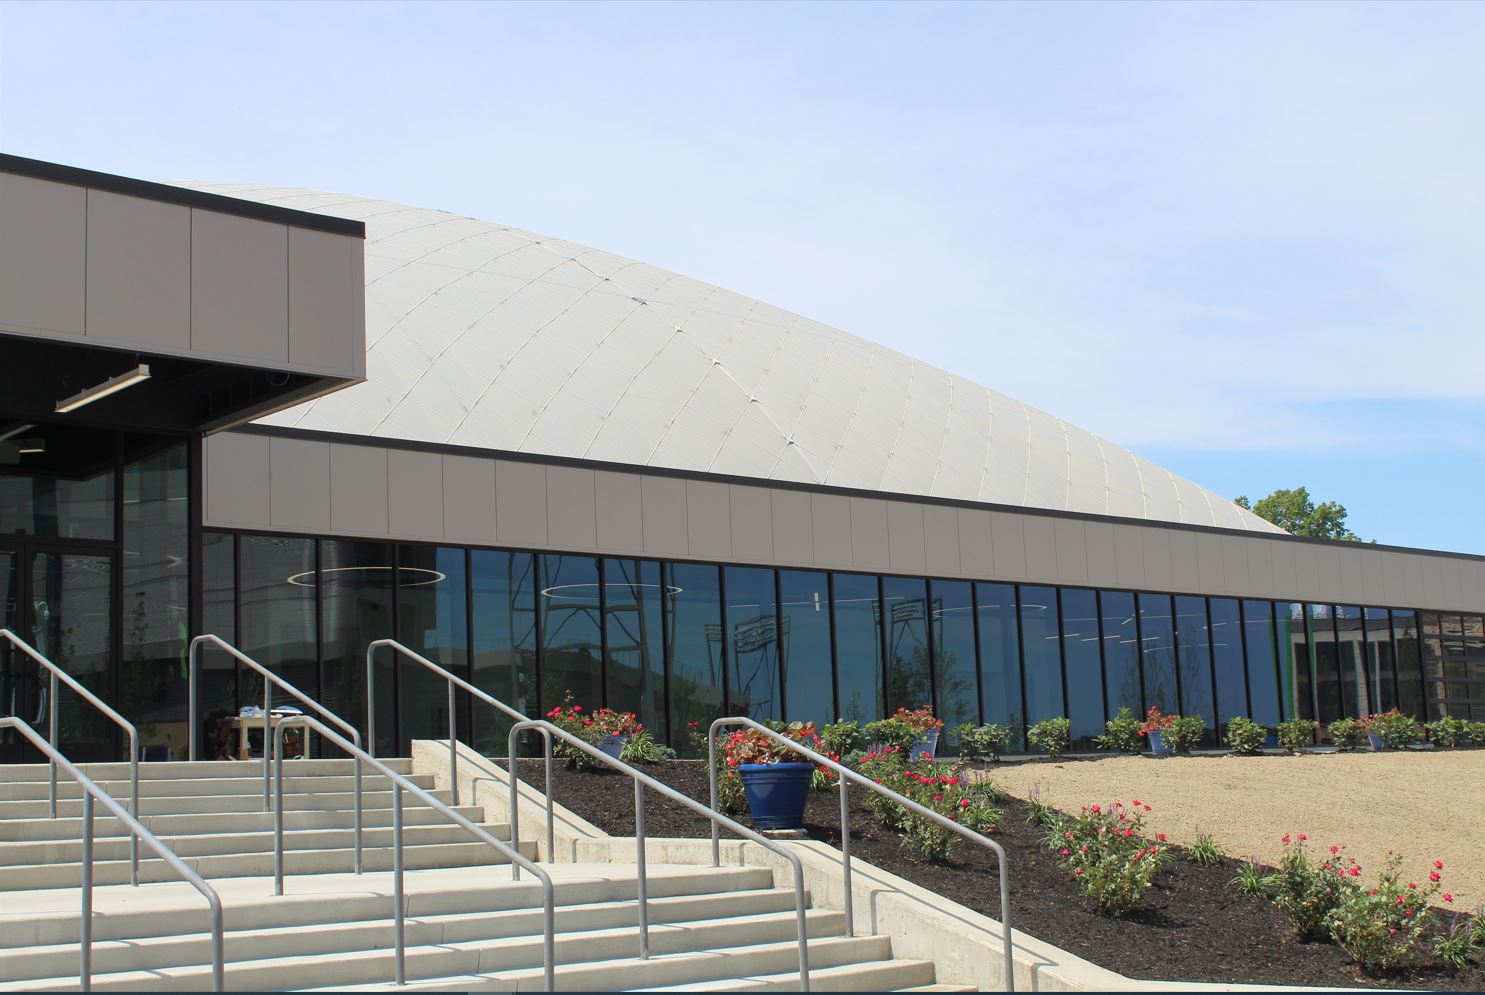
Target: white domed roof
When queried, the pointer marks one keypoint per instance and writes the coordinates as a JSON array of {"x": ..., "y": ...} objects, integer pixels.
[{"x": 487, "y": 336}]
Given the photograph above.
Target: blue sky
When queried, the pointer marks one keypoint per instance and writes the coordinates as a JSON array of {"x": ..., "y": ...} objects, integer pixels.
[{"x": 1243, "y": 240}]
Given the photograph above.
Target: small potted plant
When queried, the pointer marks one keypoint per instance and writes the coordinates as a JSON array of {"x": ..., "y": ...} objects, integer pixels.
[
  {"x": 605, "y": 728},
  {"x": 1154, "y": 730},
  {"x": 612, "y": 730},
  {"x": 777, "y": 784},
  {"x": 923, "y": 722}
]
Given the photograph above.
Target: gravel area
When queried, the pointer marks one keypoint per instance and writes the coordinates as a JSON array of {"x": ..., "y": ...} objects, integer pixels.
[{"x": 1423, "y": 804}]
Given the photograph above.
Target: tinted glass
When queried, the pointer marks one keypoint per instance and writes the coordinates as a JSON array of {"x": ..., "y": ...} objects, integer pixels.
[
  {"x": 1158, "y": 651},
  {"x": 905, "y": 607},
  {"x": 635, "y": 642},
  {"x": 1194, "y": 657},
  {"x": 504, "y": 588},
  {"x": 1263, "y": 663},
  {"x": 570, "y": 631},
  {"x": 278, "y": 614},
  {"x": 694, "y": 629},
  {"x": 1227, "y": 662},
  {"x": 1351, "y": 661},
  {"x": 217, "y": 696},
  {"x": 1000, "y": 659},
  {"x": 858, "y": 648},
  {"x": 71, "y": 611},
  {"x": 357, "y": 609},
  {"x": 432, "y": 619},
  {"x": 1381, "y": 668},
  {"x": 954, "y": 675},
  {"x": 57, "y": 480},
  {"x": 752, "y": 643},
  {"x": 1431, "y": 646},
  {"x": 1294, "y": 660},
  {"x": 804, "y": 647},
  {"x": 1121, "y": 652},
  {"x": 1042, "y": 653},
  {"x": 1083, "y": 665},
  {"x": 1324, "y": 671}
]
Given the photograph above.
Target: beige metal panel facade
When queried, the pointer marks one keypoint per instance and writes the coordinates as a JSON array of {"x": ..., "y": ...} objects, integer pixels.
[
  {"x": 1070, "y": 547},
  {"x": 830, "y": 519},
  {"x": 752, "y": 522},
  {"x": 43, "y": 257},
  {"x": 521, "y": 503},
  {"x": 941, "y": 540},
  {"x": 1103, "y": 558},
  {"x": 327, "y": 326},
  {"x": 239, "y": 288},
  {"x": 469, "y": 500},
  {"x": 620, "y": 513},
  {"x": 299, "y": 485},
  {"x": 1008, "y": 544},
  {"x": 792, "y": 521},
  {"x": 358, "y": 490},
  {"x": 235, "y": 478},
  {"x": 976, "y": 546},
  {"x": 708, "y": 520},
  {"x": 415, "y": 494},
  {"x": 663, "y": 503},
  {"x": 139, "y": 271},
  {"x": 870, "y": 549},
  {"x": 906, "y": 546},
  {"x": 572, "y": 508}
]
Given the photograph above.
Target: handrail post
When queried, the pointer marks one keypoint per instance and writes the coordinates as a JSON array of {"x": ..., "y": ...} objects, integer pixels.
[
  {"x": 398, "y": 928},
  {"x": 453, "y": 750},
  {"x": 551, "y": 785},
  {"x": 134, "y": 806},
  {"x": 711, "y": 773},
  {"x": 371, "y": 698},
  {"x": 278, "y": 810},
  {"x": 52, "y": 710},
  {"x": 268, "y": 735},
  {"x": 85, "y": 973},
  {"x": 845, "y": 852},
  {"x": 639, "y": 861},
  {"x": 194, "y": 718},
  {"x": 515, "y": 798}
]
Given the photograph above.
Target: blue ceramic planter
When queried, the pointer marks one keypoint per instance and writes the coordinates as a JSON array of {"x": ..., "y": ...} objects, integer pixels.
[
  {"x": 613, "y": 745},
  {"x": 777, "y": 793},
  {"x": 925, "y": 748},
  {"x": 1376, "y": 742},
  {"x": 1157, "y": 744}
]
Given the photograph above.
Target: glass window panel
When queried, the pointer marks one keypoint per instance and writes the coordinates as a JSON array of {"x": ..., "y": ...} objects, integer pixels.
[
  {"x": 357, "y": 579},
  {"x": 1474, "y": 637},
  {"x": 570, "y": 627},
  {"x": 278, "y": 615},
  {"x": 1121, "y": 652},
  {"x": 1351, "y": 661},
  {"x": 695, "y": 653},
  {"x": 1294, "y": 661},
  {"x": 858, "y": 648},
  {"x": 752, "y": 643},
  {"x": 1263, "y": 663},
  {"x": 1000, "y": 659},
  {"x": 71, "y": 614},
  {"x": 217, "y": 697},
  {"x": 64, "y": 488},
  {"x": 804, "y": 647},
  {"x": 905, "y": 607},
  {"x": 954, "y": 675},
  {"x": 432, "y": 619},
  {"x": 1041, "y": 652},
  {"x": 1159, "y": 655},
  {"x": 635, "y": 637},
  {"x": 504, "y": 589},
  {"x": 1405, "y": 650},
  {"x": 1227, "y": 662},
  {"x": 1083, "y": 665},
  {"x": 1381, "y": 670},
  {"x": 1452, "y": 627},
  {"x": 1432, "y": 645},
  {"x": 156, "y": 571},
  {"x": 1320, "y": 630},
  {"x": 1194, "y": 657}
]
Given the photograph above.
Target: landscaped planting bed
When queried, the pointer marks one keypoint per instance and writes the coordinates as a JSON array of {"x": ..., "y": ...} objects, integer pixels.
[{"x": 1192, "y": 925}]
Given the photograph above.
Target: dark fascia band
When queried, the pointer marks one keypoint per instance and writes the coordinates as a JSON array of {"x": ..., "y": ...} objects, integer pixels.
[{"x": 164, "y": 192}]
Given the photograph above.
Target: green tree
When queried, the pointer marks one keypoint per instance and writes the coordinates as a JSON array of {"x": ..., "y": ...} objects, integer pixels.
[{"x": 1297, "y": 513}]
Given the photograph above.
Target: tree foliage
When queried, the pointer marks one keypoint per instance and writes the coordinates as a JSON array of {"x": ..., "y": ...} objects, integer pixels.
[{"x": 1297, "y": 513}]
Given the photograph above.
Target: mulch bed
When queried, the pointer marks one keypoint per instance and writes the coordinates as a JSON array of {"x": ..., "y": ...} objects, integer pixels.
[{"x": 1191, "y": 926}]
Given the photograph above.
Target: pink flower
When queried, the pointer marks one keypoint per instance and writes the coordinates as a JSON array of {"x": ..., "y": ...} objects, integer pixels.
[
  {"x": 1302, "y": 837},
  {"x": 1439, "y": 864},
  {"x": 1448, "y": 897},
  {"x": 1079, "y": 872},
  {"x": 1433, "y": 876},
  {"x": 1356, "y": 872},
  {"x": 1160, "y": 837},
  {"x": 1334, "y": 848},
  {"x": 1136, "y": 803},
  {"x": 1095, "y": 809},
  {"x": 1407, "y": 912},
  {"x": 1066, "y": 852},
  {"x": 1147, "y": 808},
  {"x": 1413, "y": 885},
  {"x": 1285, "y": 839},
  {"x": 964, "y": 803}
]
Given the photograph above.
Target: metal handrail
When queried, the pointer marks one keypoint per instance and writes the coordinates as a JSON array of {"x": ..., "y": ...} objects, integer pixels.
[
  {"x": 58, "y": 674},
  {"x": 90, "y": 791},
  {"x": 846, "y": 774},
  {"x": 270, "y": 680},
  {"x": 642, "y": 781},
  {"x": 399, "y": 784}
]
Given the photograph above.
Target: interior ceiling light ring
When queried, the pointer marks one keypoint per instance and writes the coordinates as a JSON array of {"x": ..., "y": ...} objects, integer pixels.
[
  {"x": 112, "y": 385},
  {"x": 426, "y": 576}
]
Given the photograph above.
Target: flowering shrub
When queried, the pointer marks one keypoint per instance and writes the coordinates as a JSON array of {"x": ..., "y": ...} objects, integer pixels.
[
  {"x": 1394, "y": 728},
  {"x": 1296, "y": 734},
  {"x": 1347, "y": 734},
  {"x": 1246, "y": 736},
  {"x": 1307, "y": 892},
  {"x": 749, "y": 746},
  {"x": 985, "y": 742},
  {"x": 1447, "y": 730},
  {"x": 1156, "y": 721},
  {"x": 1184, "y": 732},
  {"x": 1378, "y": 927},
  {"x": 592, "y": 728},
  {"x": 939, "y": 788},
  {"x": 886, "y": 767},
  {"x": 1050, "y": 736},
  {"x": 1121, "y": 733},
  {"x": 1108, "y": 855}
]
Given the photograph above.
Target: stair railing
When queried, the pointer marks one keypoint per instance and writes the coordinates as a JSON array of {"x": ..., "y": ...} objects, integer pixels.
[
  {"x": 845, "y": 775},
  {"x": 270, "y": 681},
  {"x": 91, "y": 791},
  {"x": 57, "y": 674},
  {"x": 402, "y": 783}
]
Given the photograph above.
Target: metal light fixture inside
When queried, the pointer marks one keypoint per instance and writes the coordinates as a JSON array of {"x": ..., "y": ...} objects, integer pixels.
[{"x": 112, "y": 385}]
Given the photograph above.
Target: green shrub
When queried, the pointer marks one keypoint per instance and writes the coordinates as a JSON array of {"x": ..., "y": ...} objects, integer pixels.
[
  {"x": 1246, "y": 736},
  {"x": 1394, "y": 728},
  {"x": 939, "y": 788},
  {"x": 1347, "y": 734},
  {"x": 1378, "y": 927},
  {"x": 1109, "y": 857},
  {"x": 1251, "y": 879},
  {"x": 1474, "y": 733},
  {"x": 885, "y": 767},
  {"x": 1184, "y": 732},
  {"x": 642, "y": 749},
  {"x": 1462, "y": 941},
  {"x": 1204, "y": 850},
  {"x": 843, "y": 738},
  {"x": 1121, "y": 734},
  {"x": 1038, "y": 812},
  {"x": 1307, "y": 892},
  {"x": 1296, "y": 734},
  {"x": 1447, "y": 730},
  {"x": 985, "y": 742},
  {"x": 1050, "y": 736}
]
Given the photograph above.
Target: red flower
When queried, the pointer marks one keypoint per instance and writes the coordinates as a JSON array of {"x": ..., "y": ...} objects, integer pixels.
[
  {"x": 1439, "y": 864},
  {"x": 1434, "y": 876},
  {"x": 1448, "y": 897},
  {"x": 1356, "y": 871},
  {"x": 964, "y": 803},
  {"x": 1285, "y": 840},
  {"x": 1302, "y": 837},
  {"x": 1136, "y": 803},
  {"x": 1413, "y": 885},
  {"x": 1334, "y": 848},
  {"x": 938, "y": 798},
  {"x": 1160, "y": 837},
  {"x": 1095, "y": 809}
]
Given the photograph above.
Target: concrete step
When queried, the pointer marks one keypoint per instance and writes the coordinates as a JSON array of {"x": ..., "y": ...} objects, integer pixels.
[
  {"x": 31, "y": 830},
  {"x": 22, "y": 773},
  {"x": 192, "y": 786},
  {"x": 114, "y": 956},
  {"x": 244, "y": 802},
  {"x": 864, "y": 976},
  {"x": 597, "y": 960},
  {"x": 117, "y": 847},
  {"x": 323, "y": 861}
]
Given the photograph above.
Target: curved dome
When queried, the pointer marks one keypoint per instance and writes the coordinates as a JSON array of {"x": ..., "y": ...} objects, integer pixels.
[{"x": 483, "y": 335}]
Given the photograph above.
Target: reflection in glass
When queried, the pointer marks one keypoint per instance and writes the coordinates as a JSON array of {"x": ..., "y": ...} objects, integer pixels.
[
  {"x": 1381, "y": 668},
  {"x": 695, "y": 635},
  {"x": 1294, "y": 660},
  {"x": 858, "y": 648},
  {"x": 1409, "y": 665},
  {"x": 635, "y": 642},
  {"x": 1432, "y": 646},
  {"x": 357, "y": 609},
  {"x": 217, "y": 695},
  {"x": 954, "y": 655},
  {"x": 1227, "y": 663},
  {"x": 571, "y": 631},
  {"x": 804, "y": 647},
  {"x": 1121, "y": 652},
  {"x": 71, "y": 610},
  {"x": 278, "y": 616},
  {"x": 752, "y": 643},
  {"x": 432, "y": 620},
  {"x": 904, "y": 602},
  {"x": 1263, "y": 663},
  {"x": 504, "y": 587},
  {"x": 1042, "y": 652},
  {"x": 1000, "y": 659},
  {"x": 1194, "y": 657},
  {"x": 1083, "y": 666},
  {"x": 1320, "y": 631},
  {"x": 63, "y": 485},
  {"x": 1351, "y": 661},
  {"x": 1159, "y": 657}
]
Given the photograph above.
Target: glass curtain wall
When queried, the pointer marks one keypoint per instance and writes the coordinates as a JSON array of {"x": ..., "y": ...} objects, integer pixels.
[
  {"x": 277, "y": 607},
  {"x": 954, "y": 676},
  {"x": 905, "y": 612},
  {"x": 1381, "y": 668},
  {"x": 432, "y": 619},
  {"x": 1294, "y": 660},
  {"x": 805, "y": 647},
  {"x": 858, "y": 647},
  {"x": 1261, "y": 654},
  {"x": 634, "y": 656},
  {"x": 1041, "y": 654},
  {"x": 1324, "y": 669},
  {"x": 1194, "y": 660},
  {"x": 694, "y": 646},
  {"x": 1083, "y": 666},
  {"x": 1350, "y": 648},
  {"x": 504, "y": 628},
  {"x": 358, "y": 583},
  {"x": 1230, "y": 678},
  {"x": 1121, "y": 653},
  {"x": 1157, "y": 640},
  {"x": 570, "y": 624},
  {"x": 752, "y": 630},
  {"x": 1405, "y": 649},
  {"x": 999, "y": 630}
]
